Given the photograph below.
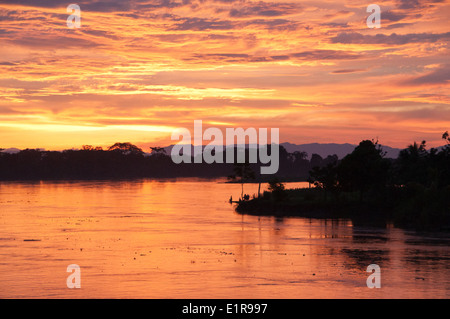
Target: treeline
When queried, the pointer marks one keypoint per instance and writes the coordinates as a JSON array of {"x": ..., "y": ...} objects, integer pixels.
[
  {"x": 368, "y": 173},
  {"x": 412, "y": 190},
  {"x": 125, "y": 160}
]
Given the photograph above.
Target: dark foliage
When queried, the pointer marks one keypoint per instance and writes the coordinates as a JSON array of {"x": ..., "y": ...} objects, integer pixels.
[
  {"x": 125, "y": 160},
  {"x": 412, "y": 191}
]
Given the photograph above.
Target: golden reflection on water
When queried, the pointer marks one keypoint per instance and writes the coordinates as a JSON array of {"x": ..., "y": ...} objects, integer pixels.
[{"x": 182, "y": 239}]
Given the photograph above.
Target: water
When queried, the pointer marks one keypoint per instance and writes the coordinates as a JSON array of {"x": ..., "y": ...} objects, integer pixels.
[{"x": 182, "y": 239}]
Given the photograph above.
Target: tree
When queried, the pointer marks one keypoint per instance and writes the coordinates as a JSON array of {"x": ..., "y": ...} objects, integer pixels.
[
  {"x": 446, "y": 137},
  {"x": 126, "y": 148},
  {"x": 330, "y": 159},
  {"x": 277, "y": 188},
  {"x": 443, "y": 162},
  {"x": 412, "y": 164},
  {"x": 158, "y": 151},
  {"x": 364, "y": 168},
  {"x": 325, "y": 177},
  {"x": 297, "y": 156},
  {"x": 244, "y": 172},
  {"x": 316, "y": 160}
]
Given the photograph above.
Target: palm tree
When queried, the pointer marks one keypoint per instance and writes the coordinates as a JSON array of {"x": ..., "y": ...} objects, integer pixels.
[
  {"x": 446, "y": 137},
  {"x": 244, "y": 172}
]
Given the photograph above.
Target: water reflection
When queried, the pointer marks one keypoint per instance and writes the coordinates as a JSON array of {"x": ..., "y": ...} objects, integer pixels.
[{"x": 181, "y": 239}]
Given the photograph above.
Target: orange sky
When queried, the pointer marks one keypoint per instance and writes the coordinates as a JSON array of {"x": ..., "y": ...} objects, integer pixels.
[{"x": 136, "y": 70}]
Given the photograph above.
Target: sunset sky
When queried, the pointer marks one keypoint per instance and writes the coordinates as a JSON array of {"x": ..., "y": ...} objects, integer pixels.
[{"x": 136, "y": 70}]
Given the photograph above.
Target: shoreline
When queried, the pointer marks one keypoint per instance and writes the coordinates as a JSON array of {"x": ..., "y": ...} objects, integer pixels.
[{"x": 301, "y": 203}]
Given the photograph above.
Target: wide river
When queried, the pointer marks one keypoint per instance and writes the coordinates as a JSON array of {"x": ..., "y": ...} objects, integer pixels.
[{"x": 182, "y": 239}]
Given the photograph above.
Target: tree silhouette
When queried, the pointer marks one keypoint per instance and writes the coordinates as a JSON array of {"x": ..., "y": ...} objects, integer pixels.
[
  {"x": 364, "y": 168},
  {"x": 297, "y": 156},
  {"x": 158, "y": 150},
  {"x": 126, "y": 148},
  {"x": 446, "y": 137},
  {"x": 316, "y": 160},
  {"x": 242, "y": 173},
  {"x": 412, "y": 164},
  {"x": 277, "y": 188},
  {"x": 325, "y": 178}
]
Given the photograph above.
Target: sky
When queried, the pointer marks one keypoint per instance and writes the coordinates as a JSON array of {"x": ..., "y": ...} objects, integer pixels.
[{"x": 136, "y": 70}]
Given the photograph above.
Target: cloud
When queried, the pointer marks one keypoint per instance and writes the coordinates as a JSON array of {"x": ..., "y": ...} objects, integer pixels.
[
  {"x": 325, "y": 55},
  {"x": 313, "y": 55},
  {"x": 439, "y": 76},
  {"x": 24, "y": 85},
  {"x": 415, "y": 4},
  {"x": 101, "y": 6},
  {"x": 52, "y": 40},
  {"x": 393, "y": 39},
  {"x": 32, "y": 3},
  {"x": 202, "y": 24},
  {"x": 207, "y": 24},
  {"x": 265, "y": 9},
  {"x": 346, "y": 71},
  {"x": 8, "y": 111},
  {"x": 393, "y": 16},
  {"x": 398, "y": 25}
]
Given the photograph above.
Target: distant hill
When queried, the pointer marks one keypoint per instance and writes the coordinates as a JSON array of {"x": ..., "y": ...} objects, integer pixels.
[
  {"x": 341, "y": 150},
  {"x": 11, "y": 150},
  {"x": 325, "y": 149}
]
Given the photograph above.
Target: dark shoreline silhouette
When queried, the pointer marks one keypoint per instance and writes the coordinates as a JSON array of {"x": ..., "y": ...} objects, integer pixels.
[
  {"x": 412, "y": 191},
  {"x": 127, "y": 161}
]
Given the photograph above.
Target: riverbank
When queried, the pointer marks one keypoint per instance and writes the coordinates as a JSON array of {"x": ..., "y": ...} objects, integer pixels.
[{"x": 395, "y": 206}]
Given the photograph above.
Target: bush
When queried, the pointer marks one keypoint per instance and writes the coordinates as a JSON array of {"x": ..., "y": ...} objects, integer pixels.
[{"x": 278, "y": 189}]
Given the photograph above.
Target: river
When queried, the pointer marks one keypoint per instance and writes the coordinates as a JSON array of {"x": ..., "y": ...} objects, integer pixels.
[{"x": 182, "y": 239}]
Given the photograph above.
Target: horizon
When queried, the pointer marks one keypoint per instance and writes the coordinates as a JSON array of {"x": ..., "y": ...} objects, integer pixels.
[{"x": 146, "y": 146}]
